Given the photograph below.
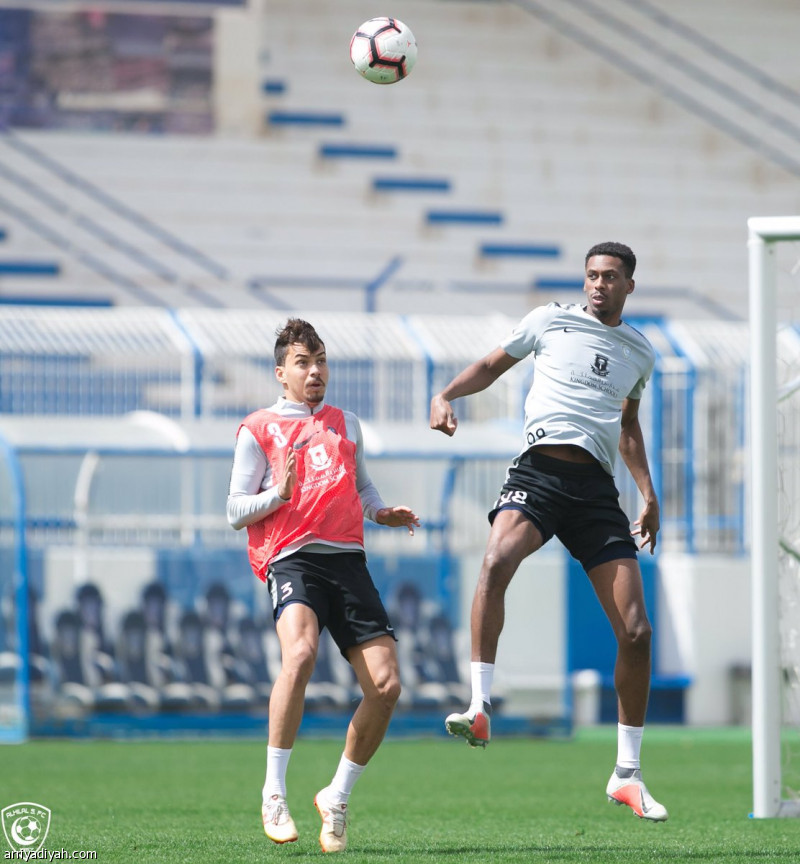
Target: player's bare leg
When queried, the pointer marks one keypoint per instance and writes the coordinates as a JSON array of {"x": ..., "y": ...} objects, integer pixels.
[
  {"x": 298, "y": 634},
  {"x": 376, "y": 667},
  {"x": 513, "y": 537},
  {"x": 618, "y": 585}
]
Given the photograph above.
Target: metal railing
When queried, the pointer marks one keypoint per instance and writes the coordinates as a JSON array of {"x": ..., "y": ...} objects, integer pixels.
[{"x": 202, "y": 367}]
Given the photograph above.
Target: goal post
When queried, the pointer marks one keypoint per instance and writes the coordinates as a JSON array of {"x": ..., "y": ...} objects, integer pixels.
[{"x": 769, "y": 799}]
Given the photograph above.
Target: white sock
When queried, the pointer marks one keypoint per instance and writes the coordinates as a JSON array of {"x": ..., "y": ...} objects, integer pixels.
[
  {"x": 343, "y": 780},
  {"x": 481, "y": 675},
  {"x": 629, "y": 745},
  {"x": 277, "y": 763}
]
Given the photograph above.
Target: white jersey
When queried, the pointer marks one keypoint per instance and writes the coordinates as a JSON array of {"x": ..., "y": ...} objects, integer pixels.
[{"x": 583, "y": 372}]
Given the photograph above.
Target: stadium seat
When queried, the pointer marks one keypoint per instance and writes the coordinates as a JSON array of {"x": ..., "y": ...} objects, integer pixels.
[
  {"x": 274, "y": 86},
  {"x": 29, "y": 268},
  {"x": 440, "y": 677},
  {"x": 463, "y": 217},
  {"x": 305, "y": 118},
  {"x": 252, "y": 665},
  {"x": 425, "y": 652},
  {"x": 410, "y": 184},
  {"x": 132, "y": 665},
  {"x": 519, "y": 250},
  {"x": 332, "y": 683},
  {"x": 357, "y": 151},
  {"x": 81, "y": 671},
  {"x": 204, "y": 683}
]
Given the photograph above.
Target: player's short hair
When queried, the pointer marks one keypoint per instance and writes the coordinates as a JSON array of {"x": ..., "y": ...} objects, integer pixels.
[
  {"x": 615, "y": 250},
  {"x": 295, "y": 331}
]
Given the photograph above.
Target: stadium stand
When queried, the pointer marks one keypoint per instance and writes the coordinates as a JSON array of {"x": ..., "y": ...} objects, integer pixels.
[{"x": 578, "y": 137}]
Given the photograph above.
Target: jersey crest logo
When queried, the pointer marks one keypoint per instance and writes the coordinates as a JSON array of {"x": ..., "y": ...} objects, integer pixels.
[
  {"x": 319, "y": 458},
  {"x": 600, "y": 365}
]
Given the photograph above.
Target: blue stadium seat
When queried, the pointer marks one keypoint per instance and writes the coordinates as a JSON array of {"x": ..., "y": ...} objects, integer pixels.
[
  {"x": 357, "y": 151},
  {"x": 558, "y": 283},
  {"x": 410, "y": 184},
  {"x": 305, "y": 118},
  {"x": 463, "y": 217},
  {"x": 273, "y": 86},
  {"x": 67, "y": 300},
  {"x": 519, "y": 250},
  {"x": 29, "y": 268}
]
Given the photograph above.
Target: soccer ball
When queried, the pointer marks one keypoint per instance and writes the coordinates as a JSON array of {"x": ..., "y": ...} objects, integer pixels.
[
  {"x": 383, "y": 50},
  {"x": 28, "y": 829}
]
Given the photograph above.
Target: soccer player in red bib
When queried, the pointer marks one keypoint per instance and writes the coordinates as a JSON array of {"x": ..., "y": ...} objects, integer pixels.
[
  {"x": 583, "y": 407},
  {"x": 300, "y": 485}
]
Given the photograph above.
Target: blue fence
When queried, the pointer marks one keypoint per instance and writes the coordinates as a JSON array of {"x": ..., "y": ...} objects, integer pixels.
[{"x": 194, "y": 365}]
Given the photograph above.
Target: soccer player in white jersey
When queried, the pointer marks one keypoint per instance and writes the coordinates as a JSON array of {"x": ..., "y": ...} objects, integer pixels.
[
  {"x": 583, "y": 406},
  {"x": 300, "y": 485}
]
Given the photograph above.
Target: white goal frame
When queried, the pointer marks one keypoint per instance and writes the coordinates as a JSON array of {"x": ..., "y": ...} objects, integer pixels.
[{"x": 764, "y": 233}]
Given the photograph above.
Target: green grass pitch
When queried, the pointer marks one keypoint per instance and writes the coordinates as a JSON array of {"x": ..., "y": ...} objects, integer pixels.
[{"x": 431, "y": 800}]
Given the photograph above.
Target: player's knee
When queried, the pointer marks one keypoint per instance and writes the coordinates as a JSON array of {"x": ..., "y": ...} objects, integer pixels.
[
  {"x": 391, "y": 691},
  {"x": 496, "y": 571},
  {"x": 638, "y": 635},
  {"x": 298, "y": 663},
  {"x": 386, "y": 689}
]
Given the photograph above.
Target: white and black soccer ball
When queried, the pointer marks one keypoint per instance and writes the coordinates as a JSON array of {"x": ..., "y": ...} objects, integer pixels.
[
  {"x": 383, "y": 50},
  {"x": 27, "y": 830}
]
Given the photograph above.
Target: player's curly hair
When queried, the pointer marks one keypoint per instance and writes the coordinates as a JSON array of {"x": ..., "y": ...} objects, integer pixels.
[
  {"x": 295, "y": 331},
  {"x": 615, "y": 250}
]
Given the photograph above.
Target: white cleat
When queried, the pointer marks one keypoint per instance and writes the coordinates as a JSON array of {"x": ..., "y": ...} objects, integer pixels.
[
  {"x": 474, "y": 726},
  {"x": 278, "y": 823},
  {"x": 632, "y": 791},
  {"x": 333, "y": 835}
]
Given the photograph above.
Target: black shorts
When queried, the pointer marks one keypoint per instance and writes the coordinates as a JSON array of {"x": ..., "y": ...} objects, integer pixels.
[
  {"x": 576, "y": 502},
  {"x": 338, "y": 587}
]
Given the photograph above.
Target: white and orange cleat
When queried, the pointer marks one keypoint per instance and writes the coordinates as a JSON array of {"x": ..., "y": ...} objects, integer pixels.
[
  {"x": 278, "y": 823},
  {"x": 475, "y": 726},
  {"x": 333, "y": 835},
  {"x": 631, "y": 790}
]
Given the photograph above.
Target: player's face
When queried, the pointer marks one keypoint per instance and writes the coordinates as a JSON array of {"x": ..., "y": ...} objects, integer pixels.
[
  {"x": 304, "y": 374},
  {"x": 606, "y": 288}
]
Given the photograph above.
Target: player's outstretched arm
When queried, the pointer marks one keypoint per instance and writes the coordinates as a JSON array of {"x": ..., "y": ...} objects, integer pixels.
[
  {"x": 632, "y": 450},
  {"x": 476, "y": 377},
  {"x": 398, "y": 517}
]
